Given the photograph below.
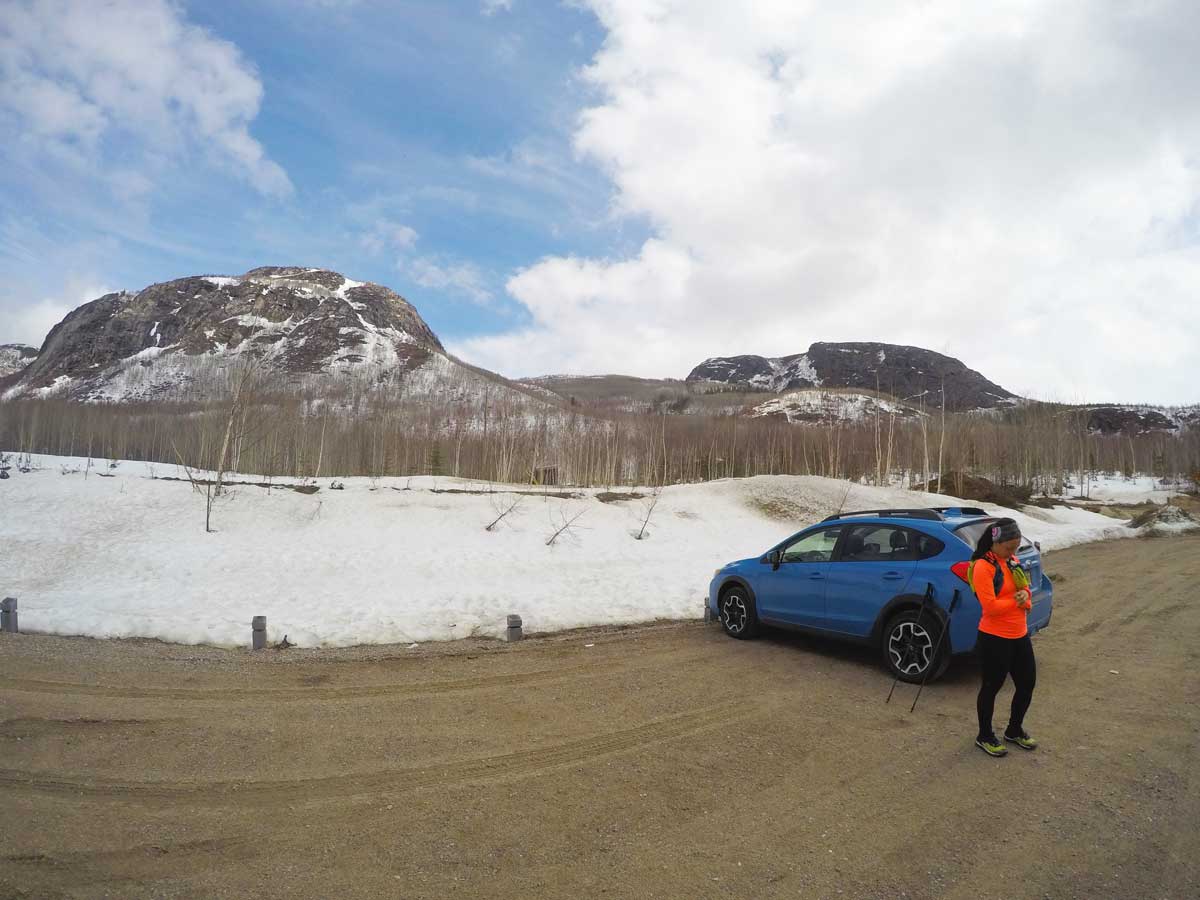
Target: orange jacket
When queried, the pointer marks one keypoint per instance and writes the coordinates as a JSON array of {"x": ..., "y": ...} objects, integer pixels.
[{"x": 1001, "y": 615}]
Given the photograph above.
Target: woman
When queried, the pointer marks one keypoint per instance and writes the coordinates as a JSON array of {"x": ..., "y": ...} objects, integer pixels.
[{"x": 1004, "y": 646}]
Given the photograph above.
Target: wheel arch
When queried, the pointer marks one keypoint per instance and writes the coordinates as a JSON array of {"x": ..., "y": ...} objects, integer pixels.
[
  {"x": 898, "y": 604},
  {"x": 736, "y": 581}
]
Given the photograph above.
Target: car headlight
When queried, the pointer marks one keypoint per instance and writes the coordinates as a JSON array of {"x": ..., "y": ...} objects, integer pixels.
[{"x": 717, "y": 572}]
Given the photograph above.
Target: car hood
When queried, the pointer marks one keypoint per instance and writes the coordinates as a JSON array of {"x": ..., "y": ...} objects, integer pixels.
[{"x": 738, "y": 563}]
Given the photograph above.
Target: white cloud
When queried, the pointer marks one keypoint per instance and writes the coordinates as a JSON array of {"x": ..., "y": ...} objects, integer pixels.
[
  {"x": 454, "y": 276},
  {"x": 491, "y": 7},
  {"x": 1014, "y": 183},
  {"x": 388, "y": 235},
  {"x": 31, "y": 322},
  {"x": 76, "y": 74}
]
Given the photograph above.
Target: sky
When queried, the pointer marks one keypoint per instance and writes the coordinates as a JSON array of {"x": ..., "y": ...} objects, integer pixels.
[{"x": 634, "y": 186}]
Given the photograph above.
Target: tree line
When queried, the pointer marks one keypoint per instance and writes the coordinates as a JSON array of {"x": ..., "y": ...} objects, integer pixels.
[{"x": 1046, "y": 448}]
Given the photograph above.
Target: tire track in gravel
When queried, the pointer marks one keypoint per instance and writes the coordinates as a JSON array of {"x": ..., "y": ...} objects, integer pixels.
[
  {"x": 152, "y": 853},
  {"x": 28, "y": 727},
  {"x": 119, "y": 868},
  {"x": 317, "y": 691},
  {"x": 518, "y": 764}
]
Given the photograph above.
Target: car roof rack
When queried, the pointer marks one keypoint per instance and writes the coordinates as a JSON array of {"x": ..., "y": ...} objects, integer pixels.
[
  {"x": 964, "y": 511},
  {"x": 931, "y": 514}
]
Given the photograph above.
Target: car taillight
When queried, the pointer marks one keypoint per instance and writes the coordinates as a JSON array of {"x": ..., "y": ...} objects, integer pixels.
[{"x": 960, "y": 569}]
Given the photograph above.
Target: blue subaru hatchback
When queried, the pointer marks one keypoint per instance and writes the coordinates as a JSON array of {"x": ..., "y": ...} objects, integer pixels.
[{"x": 884, "y": 577}]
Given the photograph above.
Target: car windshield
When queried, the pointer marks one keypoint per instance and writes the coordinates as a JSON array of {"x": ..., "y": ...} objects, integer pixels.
[{"x": 970, "y": 533}]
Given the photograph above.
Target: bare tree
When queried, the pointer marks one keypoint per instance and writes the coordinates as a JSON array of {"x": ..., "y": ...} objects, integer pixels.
[
  {"x": 566, "y": 525},
  {"x": 650, "y": 503},
  {"x": 502, "y": 509},
  {"x": 942, "y": 441}
]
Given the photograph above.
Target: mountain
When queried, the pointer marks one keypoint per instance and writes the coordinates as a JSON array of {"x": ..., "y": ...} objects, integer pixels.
[
  {"x": 309, "y": 329},
  {"x": 15, "y": 357},
  {"x": 1135, "y": 420},
  {"x": 607, "y": 394},
  {"x": 907, "y": 373}
]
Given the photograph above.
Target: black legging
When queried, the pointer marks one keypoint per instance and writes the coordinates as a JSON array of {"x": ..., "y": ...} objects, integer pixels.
[{"x": 1001, "y": 657}]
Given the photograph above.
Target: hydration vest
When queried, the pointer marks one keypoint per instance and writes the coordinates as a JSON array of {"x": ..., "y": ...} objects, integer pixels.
[{"x": 1020, "y": 577}]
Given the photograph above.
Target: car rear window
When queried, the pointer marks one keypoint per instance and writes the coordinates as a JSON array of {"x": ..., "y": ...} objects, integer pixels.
[{"x": 970, "y": 533}]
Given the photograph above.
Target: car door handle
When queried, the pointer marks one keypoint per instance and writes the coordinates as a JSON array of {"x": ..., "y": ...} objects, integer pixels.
[
  {"x": 892, "y": 576},
  {"x": 816, "y": 576}
]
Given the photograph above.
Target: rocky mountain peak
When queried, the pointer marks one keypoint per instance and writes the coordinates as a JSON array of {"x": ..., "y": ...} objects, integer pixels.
[
  {"x": 298, "y": 321},
  {"x": 912, "y": 374}
]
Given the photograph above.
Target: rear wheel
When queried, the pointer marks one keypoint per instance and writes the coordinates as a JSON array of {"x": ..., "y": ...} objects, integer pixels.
[
  {"x": 739, "y": 617},
  {"x": 909, "y": 647}
]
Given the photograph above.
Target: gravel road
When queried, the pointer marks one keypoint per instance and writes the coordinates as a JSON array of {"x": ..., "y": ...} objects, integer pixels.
[{"x": 661, "y": 761}]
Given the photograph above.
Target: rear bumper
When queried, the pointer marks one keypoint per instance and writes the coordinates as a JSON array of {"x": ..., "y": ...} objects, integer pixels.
[
  {"x": 1042, "y": 622},
  {"x": 1043, "y": 607}
]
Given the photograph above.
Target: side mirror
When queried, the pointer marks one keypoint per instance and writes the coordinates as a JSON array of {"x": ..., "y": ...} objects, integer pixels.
[{"x": 775, "y": 557}]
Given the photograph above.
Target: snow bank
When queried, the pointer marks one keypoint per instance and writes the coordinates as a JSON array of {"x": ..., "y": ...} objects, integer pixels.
[
  {"x": 123, "y": 553},
  {"x": 1168, "y": 520},
  {"x": 1118, "y": 489}
]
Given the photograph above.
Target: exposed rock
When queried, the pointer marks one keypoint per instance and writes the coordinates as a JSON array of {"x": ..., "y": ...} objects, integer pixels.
[
  {"x": 908, "y": 373},
  {"x": 15, "y": 357},
  {"x": 174, "y": 338},
  {"x": 1134, "y": 420}
]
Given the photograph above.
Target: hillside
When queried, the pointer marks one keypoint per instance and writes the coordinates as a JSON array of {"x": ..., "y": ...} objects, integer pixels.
[
  {"x": 303, "y": 329},
  {"x": 911, "y": 374}
]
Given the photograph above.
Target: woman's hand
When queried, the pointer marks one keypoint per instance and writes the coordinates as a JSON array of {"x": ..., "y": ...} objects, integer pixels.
[{"x": 1024, "y": 599}]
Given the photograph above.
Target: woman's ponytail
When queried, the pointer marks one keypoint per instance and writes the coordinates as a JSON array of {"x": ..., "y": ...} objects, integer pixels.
[
  {"x": 984, "y": 545},
  {"x": 1003, "y": 529}
]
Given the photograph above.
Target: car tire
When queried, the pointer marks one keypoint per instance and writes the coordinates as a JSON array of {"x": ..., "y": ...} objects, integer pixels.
[
  {"x": 737, "y": 612},
  {"x": 908, "y": 646}
]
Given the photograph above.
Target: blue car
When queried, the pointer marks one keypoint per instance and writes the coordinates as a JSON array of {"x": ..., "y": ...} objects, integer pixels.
[{"x": 886, "y": 578}]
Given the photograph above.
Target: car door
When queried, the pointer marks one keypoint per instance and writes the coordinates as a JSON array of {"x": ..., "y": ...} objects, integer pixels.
[
  {"x": 794, "y": 593},
  {"x": 874, "y": 564}
]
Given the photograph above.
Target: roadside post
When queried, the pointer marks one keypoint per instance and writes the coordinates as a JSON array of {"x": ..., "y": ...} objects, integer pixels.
[{"x": 258, "y": 632}]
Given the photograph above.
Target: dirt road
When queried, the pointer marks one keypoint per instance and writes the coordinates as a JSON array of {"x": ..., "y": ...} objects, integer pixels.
[{"x": 666, "y": 761}]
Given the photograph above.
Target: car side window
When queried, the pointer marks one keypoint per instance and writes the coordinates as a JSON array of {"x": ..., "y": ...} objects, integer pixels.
[
  {"x": 881, "y": 543},
  {"x": 817, "y": 546},
  {"x": 928, "y": 546}
]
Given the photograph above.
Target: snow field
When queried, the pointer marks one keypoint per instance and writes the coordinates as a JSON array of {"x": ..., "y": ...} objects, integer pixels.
[
  {"x": 1118, "y": 489},
  {"x": 127, "y": 555}
]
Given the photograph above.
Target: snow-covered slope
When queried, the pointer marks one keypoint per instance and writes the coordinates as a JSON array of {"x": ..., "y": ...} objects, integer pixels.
[
  {"x": 127, "y": 555},
  {"x": 830, "y": 407},
  {"x": 15, "y": 357}
]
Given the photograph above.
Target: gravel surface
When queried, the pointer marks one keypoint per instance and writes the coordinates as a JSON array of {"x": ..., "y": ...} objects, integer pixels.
[{"x": 658, "y": 761}]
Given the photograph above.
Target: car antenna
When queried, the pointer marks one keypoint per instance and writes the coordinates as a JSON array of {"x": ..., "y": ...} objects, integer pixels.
[{"x": 845, "y": 497}]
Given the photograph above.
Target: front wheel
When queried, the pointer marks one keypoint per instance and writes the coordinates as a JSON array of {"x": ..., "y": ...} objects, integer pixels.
[
  {"x": 739, "y": 617},
  {"x": 909, "y": 642}
]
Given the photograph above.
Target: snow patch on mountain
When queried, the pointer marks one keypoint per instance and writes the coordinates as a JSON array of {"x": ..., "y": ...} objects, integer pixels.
[
  {"x": 15, "y": 357},
  {"x": 830, "y": 407}
]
